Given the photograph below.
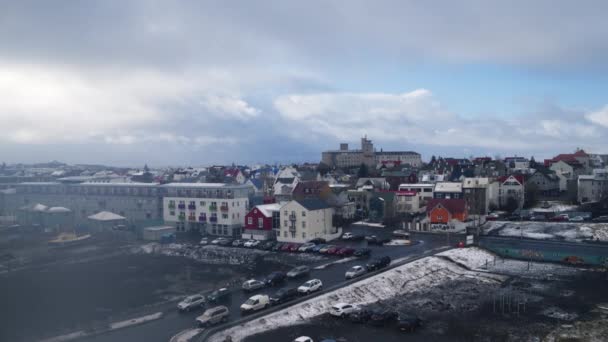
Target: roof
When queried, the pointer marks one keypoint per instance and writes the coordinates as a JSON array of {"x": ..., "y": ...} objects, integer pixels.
[
  {"x": 397, "y": 153},
  {"x": 448, "y": 187},
  {"x": 159, "y": 228},
  {"x": 520, "y": 178},
  {"x": 267, "y": 209},
  {"x": 257, "y": 183},
  {"x": 475, "y": 182},
  {"x": 309, "y": 187},
  {"x": 454, "y": 206},
  {"x": 117, "y": 184},
  {"x": 106, "y": 216},
  {"x": 313, "y": 204},
  {"x": 204, "y": 185},
  {"x": 58, "y": 210},
  {"x": 231, "y": 172}
]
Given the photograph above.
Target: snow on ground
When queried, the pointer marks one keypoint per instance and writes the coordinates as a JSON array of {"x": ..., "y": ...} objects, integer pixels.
[
  {"x": 554, "y": 207},
  {"x": 473, "y": 257},
  {"x": 186, "y": 335},
  {"x": 370, "y": 224},
  {"x": 407, "y": 279},
  {"x": 555, "y": 312},
  {"x": 568, "y": 231},
  {"x": 339, "y": 261}
]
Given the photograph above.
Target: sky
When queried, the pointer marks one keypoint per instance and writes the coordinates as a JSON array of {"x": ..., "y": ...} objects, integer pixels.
[{"x": 203, "y": 82}]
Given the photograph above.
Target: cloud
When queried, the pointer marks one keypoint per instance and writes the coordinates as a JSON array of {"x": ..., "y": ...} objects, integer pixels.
[
  {"x": 599, "y": 117},
  {"x": 417, "y": 118}
]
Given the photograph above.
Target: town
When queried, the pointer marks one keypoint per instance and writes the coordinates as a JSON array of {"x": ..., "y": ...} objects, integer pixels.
[{"x": 291, "y": 234}]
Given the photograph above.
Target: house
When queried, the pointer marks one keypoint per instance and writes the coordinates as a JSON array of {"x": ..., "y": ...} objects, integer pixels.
[
  {"x": 306, "y": 219},
  {"x": 544, "y": 182},
  {"x": 517, "y": 163},
  {"x": 311, "y": 189},
  {"x": 376, "y": 184},
  {"x": 448, "y": 190},
  {"x": 579, "y": 158},
  {"x": 409, "y": 202},
  {"x": 594, "y": 187},
  {"x": 480, "y": 193},
  {"x": 262, "y": 222},
  {"x": 382, "y": 206},
  {"x": 425, "y": 191},
  {"x": 234, "y": 175},
  {"x": 442, "y": 211},
  {"x": 511, "y": 187}
]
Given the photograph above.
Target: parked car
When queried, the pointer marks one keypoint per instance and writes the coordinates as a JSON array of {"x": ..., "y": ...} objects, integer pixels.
[
  {"x": 285, "y": 247},
  {"x": 217, "y": 241},
  {"x": 326, "y": 248},
  {"x": 492, "y": 217},
  {"x": 310, "y": 286},
  {"x": 577, "y": 219},
  {"x": 255, "y": 303},
  {"x": 342, "y": 309},
  {"x": 363, "y": 252},
  {"x": 293, "y": 247},
  {"x": 345, "y": 251},
  {"x": 374, "y": 240},
  {"x": 303, "y": 339},
  {"x": 284, "y": 295},
  {"x": 347, "y": 236},
  {"x": 275, "y": 278},
  {"x": 377, "y": 264},
  {"x": 600, "y": 219},
  {"x": 238, "y": 243},
  {"x": 266, "y": 246},
  {"x": 213, "y": 316},
  {"x": 318, "y": 240},
  {"x": 225, "y": 242},
  {"x": 408, "y": 323},
  {"x": 382, "y": 317},
  {"x": 252, "y": 243},
  {"x": 252, "y": 285},
  {"x": 559, "y": 218},
  {"x": 204, "y": 241},
  {"x": 278, "y": 246},
  {"x": 318, "y": 248},
  {"x": 307, "y": 247},
  {"x": 191, "y": 302},
  {"x": 299, "y": 271},
  {"x": 218, "y": 295},
  {"x": 333, "y": 250},
  {"x": 538, "y": 217},
  {"x": 355, "y": 271},
  {"x": 361, "y": 315}
]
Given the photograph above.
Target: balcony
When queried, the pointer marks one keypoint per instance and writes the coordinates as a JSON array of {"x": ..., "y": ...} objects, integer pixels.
[
  {"x": 181, "y": 217},
  {"x": 191, "y": 218},
  {"x": 213, "y": 219},
  {"x": 202, "y": 218},
  {"x": 171, "y": 205},
  {"x": 292, "y": 217},
  {"x": 224, "y": 208},
  {"x": 191, "y": 207},
  {"x": 292, "y": 228},
  {"x": 181, "y": 206},
  {"x": 213, "y": 207}
]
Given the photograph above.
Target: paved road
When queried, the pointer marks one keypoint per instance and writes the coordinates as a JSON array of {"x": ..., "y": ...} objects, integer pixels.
[{"x": 174, "y": 322}]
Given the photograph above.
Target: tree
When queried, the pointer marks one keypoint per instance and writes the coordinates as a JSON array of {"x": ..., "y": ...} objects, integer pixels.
[
  {"x": 511, "y": 205},
  {"x": 533, "y": 163},
  {"x": 433, "y": 160},
  {"x": 531, "y": 194},
  {"x": 323, "y": 168},
  {"x": 363, "y": 171}
]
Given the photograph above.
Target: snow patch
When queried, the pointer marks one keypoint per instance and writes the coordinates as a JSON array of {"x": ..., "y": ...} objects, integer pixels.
[{"x": 564, "y": 231}]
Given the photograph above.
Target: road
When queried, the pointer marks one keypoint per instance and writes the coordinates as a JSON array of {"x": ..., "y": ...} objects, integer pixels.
[{"x": 174, "y": 322}]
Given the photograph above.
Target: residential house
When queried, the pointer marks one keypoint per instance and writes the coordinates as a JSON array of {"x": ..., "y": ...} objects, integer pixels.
[
  {"x": 424, "y": 190},
  {"x": 594, "y": 187},
  {"x": 545, "y": 182},
  {"x": 372, "y": 184},
  {"x": 306, "y": 219},
  {"x": 382, "y": 206},
  {"x": 517, "y": 164},
  {"x": 442, "y": 211},
  {"x": 511, "y": 186},
  {"x": 579, "y": 158},
  {"x": 263, "y": 222},
  {"x": 409, "y": 202},
  {"x": 448, "y": 190},
  {"x": 234, "y": 175},
  {"x": 479, "y": 194}
]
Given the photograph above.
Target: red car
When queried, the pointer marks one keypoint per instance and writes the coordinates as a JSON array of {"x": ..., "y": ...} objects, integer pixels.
[
  {"x": 333, "y": 250},
  {"x": 293, "y": 247},
  {"x": 285, "y": 247},
  {"x": 346, "y": 251},
  {"x": 559, "y": 218}
]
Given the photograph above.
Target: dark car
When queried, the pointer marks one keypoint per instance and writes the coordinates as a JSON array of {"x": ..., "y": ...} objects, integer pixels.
[
  {"x": 225, "y": 242},
  {"x": 363, "y": 252},
  {"x": 374, "y": 240},
  {"x": 357, "y": 237},
  {"x": 284, "y": 295},
  {"x": 408, "y": 323},
  {"x": 219, "y": 295},
  {"x": 318, "y": 241},
  {"x": 600, "y": 219},
  {"x": 238, "y": 243},
  {"x": 377, "y": 264},
  {"x": 346, "y": 251},
  {"x": 383, "y": 317},
  {"x": 278, "y": 246},
  {"x": 299, "y": 271},
  {"x": 318, "y": 248},
  {"x": 360, "y": 316},
  {"x": 538, "y": 217},
  {"x": 275, "y": 278},
  {"x": 266, "y": 246}
]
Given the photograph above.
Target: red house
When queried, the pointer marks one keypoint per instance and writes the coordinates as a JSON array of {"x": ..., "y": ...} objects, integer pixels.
[
  {"x": 442, "y": 211},
  {"x": 261, "y": 221}
]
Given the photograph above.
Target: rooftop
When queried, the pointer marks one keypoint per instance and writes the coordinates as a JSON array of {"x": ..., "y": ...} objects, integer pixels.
[{"x": 448, "y": 187}]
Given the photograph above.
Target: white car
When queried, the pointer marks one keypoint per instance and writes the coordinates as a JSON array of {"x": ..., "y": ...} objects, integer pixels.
[
  {"x": 342, "y": 309},
  {"x": 252, "y": 285},
  {"x": 355, "y": 271},
  {"x": 249, "y": 243},
  {"x": 216, "y": 241},
  {"x": 204, "y": 241},
  {"x": 577, "y": 219},
  {"x": 347, "y": 236},
  {"x": 303, "y": 339},
  {"x": 255, "y": 303},
  {"x": 310, "y": 286},
  {"x": 306, "y": 247},
  {"x": 191, "y": 302}
]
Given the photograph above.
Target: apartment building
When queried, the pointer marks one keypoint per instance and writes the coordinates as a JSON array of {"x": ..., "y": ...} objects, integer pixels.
[{"x": 306, "y": 219}]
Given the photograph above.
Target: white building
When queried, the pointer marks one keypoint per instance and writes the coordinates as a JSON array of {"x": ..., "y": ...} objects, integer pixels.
[
  {"x": 511, "y": 187},
  {"x": 594, "y": 187},
  {"x": 212, "y": 208},
  {"x": 304, "y": 220},
  {"x": 425, "y": 190}
]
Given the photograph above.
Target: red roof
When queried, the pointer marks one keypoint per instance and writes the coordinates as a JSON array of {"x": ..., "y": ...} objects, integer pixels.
[
  {"x": 454, "y": 206},
  {"x": 520, "y": 178},
  {"x": 568, "y": 158},
  {"x": 231, "y": 172}
]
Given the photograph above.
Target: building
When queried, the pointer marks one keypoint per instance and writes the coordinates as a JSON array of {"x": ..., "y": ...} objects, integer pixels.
[
  {"x": 517, "y": 163},
  {"x": 409, "y": 202},
  {"x": 578, "y": 159},
  {"x": 382, "y": 206},
  {"x": 511, "y": 187},
  {"x": 304, "y": 220},
  {"x": 544, "y": 182},
  {"x": 234, "y": 175},
  {"x": 156, "y": 233},
  {"x": 480, "y": 194},
  {"x": 443, "y": 211},
  {"x": 211, "y": 208},
  {"x": 424, "y": 190},
  {"x": 345, "y": 158},
  {"x": 448, "y": 190},
  {"x": 263, "y": 222},
  {"x": 594, "y": 187}
]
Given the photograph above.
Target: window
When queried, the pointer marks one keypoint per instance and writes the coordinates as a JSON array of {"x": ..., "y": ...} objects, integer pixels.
[
  {"x": 304, "y": 214},
  {"x": 286, "y": 213},
  {"x": 260, "y": 223},
  {"x": 285, "y": 233},
  {"x": 250, "y": 220},
  {"x": 303, "y": 235},
  {"x": 203, "y": 203},
  {"x": 285, "y": 223},
  {"x": 303, "y": 224},
  {"x": 225, "y": 230},
  {"x": 224, "y": 216},
  {"x": 172, "y": 213}
]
